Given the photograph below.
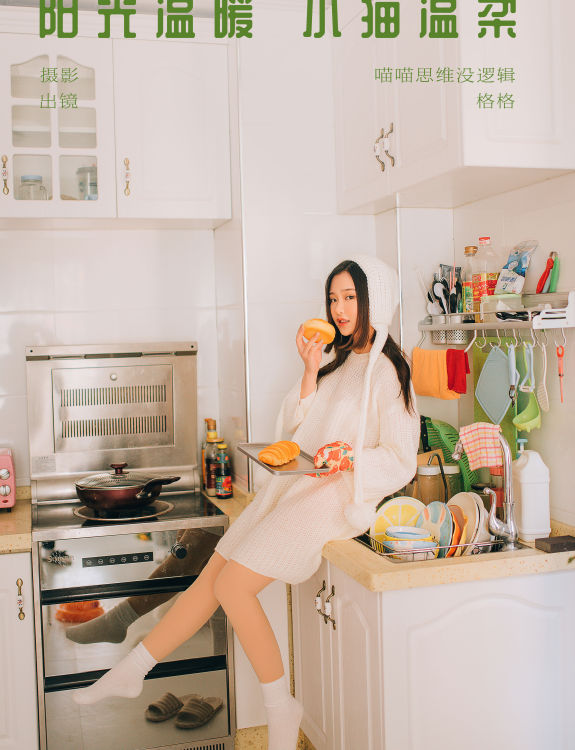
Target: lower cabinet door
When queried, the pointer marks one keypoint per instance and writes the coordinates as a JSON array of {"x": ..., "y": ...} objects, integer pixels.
[
  {"x": 18, "y": 693},
  {"x": 356, "y": 664},
  {"x": 312, "y": 660}
]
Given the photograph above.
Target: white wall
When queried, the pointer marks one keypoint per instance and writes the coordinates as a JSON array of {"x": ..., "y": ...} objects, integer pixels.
[
  {"x": 292, "y": 236},
  {"x": 543, "y": 212},
  {"x": 92, "y": 287}
]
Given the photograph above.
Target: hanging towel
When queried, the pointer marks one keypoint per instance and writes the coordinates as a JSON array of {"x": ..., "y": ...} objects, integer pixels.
[
  {"x": 429, "y": 374},
  {"x": 481, "y": 444},
  {"x": 457, "y": 363}
]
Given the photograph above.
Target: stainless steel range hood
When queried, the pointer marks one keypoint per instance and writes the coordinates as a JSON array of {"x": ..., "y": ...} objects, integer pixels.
[{"x": 90, "y": 406}]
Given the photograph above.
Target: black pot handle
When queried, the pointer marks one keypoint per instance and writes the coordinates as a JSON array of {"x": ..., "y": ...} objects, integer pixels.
[{"x": 150, "y": 487}]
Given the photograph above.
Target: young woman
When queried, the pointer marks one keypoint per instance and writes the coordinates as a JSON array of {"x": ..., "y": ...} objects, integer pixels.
[{"x": 357, "y": 415}]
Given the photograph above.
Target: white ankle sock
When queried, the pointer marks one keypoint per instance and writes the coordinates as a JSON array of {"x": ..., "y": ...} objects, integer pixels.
[
  {"x": 126, "y": 679},
  {"x": 284, "y": 715},
  {"x": 111, "y": 627}
]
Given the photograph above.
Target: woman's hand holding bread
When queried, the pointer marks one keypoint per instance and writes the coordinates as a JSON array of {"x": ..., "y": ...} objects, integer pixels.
[{"x": 317, "y": 332}]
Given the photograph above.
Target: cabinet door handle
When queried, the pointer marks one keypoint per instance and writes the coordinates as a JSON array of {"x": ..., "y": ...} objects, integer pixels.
[
  {"x": 127, "y": 176},
  {"x": 5, "y": 189},
  {"x": 382, "y": 145},
  {"x": 318, "y": 602},
  {"x": 20, "y": 599},
  {"x": 327, "y": 613}
]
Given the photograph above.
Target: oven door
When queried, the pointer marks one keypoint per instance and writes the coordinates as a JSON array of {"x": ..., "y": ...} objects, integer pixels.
[{"x": 99, "y": 598}]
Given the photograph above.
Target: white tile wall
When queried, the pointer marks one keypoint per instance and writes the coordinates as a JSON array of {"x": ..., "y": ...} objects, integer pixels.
[{"x": 84, "y": 287}]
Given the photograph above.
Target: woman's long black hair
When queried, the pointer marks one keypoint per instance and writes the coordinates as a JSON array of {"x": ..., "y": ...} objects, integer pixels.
[{"x": 343, "y": 345}]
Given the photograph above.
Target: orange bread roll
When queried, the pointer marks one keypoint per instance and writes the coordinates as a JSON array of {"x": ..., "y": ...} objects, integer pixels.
[
  {"x": 317, "y": 325},
  {"x": 280, "y": 453}
]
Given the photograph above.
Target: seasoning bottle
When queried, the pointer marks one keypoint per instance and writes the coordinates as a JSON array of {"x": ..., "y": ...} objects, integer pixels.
[
  {"x": 485, "y": 274},
  {"x": 210, "y": 426},
  {"x": 211, "y": 462},
  {"x": 223, "y": 473},
  {"x": 468, "y": 268}
]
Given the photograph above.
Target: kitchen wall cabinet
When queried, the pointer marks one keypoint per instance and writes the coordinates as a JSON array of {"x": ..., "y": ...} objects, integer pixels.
[
  {"x": 418, "y": 667},
  {"x": 172, "y": 125},
  {"x": 40, "y": 135},
  {"x": 447, "y": 150},
  {"x": 149, "y": 137},
  {"x": 18, "y": 696}
]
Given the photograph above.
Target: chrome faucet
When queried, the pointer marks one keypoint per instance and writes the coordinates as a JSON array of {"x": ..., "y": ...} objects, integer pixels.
[{"x": 506, "y": 530}]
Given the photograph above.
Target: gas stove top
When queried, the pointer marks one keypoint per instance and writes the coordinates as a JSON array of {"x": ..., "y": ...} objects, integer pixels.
[{"x": 54, "y": 520}]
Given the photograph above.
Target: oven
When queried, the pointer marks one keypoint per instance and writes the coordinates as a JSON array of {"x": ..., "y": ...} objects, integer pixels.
[{"x": 102, "y": 582}]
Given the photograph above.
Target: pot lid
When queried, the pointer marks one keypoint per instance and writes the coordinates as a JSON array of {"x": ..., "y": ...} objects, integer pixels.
[{"x": 119, "y": 478}]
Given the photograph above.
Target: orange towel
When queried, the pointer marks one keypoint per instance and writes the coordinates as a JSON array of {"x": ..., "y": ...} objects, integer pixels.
[
  {"x": 481, "y": 443},
  {"x": 429, "y": 373}
]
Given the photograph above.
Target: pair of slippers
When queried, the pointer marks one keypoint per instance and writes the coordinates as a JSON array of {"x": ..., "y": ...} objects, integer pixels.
[{"x": 191, "y": 711}]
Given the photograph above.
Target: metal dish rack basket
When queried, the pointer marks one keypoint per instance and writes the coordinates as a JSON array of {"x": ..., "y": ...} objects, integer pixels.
[{"x": 401, "y": 556}]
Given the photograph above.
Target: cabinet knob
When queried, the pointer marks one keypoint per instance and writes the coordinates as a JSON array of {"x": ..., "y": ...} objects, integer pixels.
[{"x": 5, "y": 189}]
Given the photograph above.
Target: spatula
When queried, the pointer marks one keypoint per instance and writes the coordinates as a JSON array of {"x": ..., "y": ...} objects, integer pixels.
[{"x": 542, "y": 395}]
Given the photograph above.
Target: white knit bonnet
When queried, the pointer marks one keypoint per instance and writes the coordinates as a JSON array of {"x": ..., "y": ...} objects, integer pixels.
[{"x": 383, "y": 291}]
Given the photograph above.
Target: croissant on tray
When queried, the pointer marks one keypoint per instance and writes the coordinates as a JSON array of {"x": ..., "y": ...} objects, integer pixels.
[{"x": 280, "y": 453}]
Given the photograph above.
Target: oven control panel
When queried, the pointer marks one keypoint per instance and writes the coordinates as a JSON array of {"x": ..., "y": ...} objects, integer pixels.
[
  {"x": 130, "y": 557},
  {"x": 7, "y": 479}
]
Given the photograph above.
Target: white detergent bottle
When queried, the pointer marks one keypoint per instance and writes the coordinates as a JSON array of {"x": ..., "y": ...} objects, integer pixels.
[{"x": 531, "y": 494}]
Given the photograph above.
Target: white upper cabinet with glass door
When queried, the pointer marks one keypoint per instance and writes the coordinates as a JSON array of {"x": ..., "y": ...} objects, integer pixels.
[{"x": 56, "y": 130}]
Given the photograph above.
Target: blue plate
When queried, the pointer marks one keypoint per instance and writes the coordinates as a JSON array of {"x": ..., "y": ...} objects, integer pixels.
[{"x": 436, "y": 518}]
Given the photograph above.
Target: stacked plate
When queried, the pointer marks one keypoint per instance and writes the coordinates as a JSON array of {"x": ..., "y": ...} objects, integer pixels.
[{"x": 462, "y": 521}]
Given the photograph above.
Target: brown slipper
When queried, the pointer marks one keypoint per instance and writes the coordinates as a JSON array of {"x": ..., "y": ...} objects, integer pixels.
[
  {"x": 197, "y": 711},
  {"x": 164, "y": 708}
]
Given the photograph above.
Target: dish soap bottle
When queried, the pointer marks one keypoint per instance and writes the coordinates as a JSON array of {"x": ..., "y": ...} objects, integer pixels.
[{"x": 531, "y": 494}]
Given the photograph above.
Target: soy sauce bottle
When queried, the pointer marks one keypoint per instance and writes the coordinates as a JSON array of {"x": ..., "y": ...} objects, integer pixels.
[{"x": 223, "y": 474}]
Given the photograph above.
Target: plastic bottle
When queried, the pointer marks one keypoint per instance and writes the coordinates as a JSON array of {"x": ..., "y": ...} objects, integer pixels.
[
  {"x": 485, "y": 273},
  {"x": 468, "y": 270},
  {"x": 531, "y": 494},
  {"x": 211, "y": 462},
  {"x": 223, "y": 474}
]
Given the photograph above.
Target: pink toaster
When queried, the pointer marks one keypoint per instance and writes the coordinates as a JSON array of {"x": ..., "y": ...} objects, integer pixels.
[{"x": 7, "y": 480}]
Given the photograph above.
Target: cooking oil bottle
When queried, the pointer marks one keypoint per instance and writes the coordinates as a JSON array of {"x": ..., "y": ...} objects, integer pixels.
[{"x": 531, "y": 494}]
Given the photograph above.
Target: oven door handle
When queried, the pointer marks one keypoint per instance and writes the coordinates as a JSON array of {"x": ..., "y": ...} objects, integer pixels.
[
  {"x": 163, "y": 669},
  {"x": 165, "y": 585}
]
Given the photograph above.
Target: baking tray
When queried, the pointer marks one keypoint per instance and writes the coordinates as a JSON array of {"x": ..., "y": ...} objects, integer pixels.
[{"x": 302, "y": 464}]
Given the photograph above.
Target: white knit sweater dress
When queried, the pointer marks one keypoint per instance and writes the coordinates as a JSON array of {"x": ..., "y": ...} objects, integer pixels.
[{"x": 282, "y": 532}]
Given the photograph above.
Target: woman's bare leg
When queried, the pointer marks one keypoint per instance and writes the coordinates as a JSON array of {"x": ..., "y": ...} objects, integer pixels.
[
  {"x": 236, "y": 589},
  {"x": 192, "y": 610}
]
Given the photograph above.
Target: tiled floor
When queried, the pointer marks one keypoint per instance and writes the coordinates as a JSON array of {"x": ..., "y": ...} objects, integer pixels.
[{"x": 256, "y": 738}]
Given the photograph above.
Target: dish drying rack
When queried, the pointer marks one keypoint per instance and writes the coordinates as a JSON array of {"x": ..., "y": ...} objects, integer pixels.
[
  {"x": 451, "y": 328},
  {"x": 494, "y": 545}
]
